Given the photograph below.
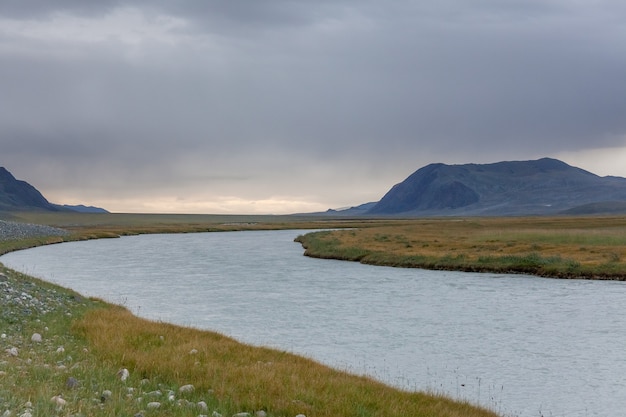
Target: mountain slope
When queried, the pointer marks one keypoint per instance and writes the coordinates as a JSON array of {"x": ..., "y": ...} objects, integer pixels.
[
  {"x": 20, "y": 195},
  {"x": 544, "y": 186}
]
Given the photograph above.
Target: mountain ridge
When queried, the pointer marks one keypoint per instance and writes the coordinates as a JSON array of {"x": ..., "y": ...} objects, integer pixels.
[
  {"x": 536, "y": 187},
  {"x": 21, "y": 196}
]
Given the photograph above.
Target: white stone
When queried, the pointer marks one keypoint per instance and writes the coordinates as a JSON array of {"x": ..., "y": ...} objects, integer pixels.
[
  {"x": 26, "y": 414},
  {"x": 193, "y": 351},
  {"x": 123, "y": 374},
  {"x": 300, "y": 415},
  {"x": 60, "y": 349},
  {"x": 58, "y": 401},
  {"x": 260, "y": 413},
  {"x": 153, "y": 405},
  {"x": 7, "y": 413},
  {"x": 244, "y": 414},
  {"x": 216, "y": 414},
  {"x": 107, "y": 393},
  {"x": 203, "y": 406},
  {"x": 36, "y": 338},
  {"x": 186, "y": 388},
  {"x": 13, "y": 351},
  {"x": 3, "y": 336}
]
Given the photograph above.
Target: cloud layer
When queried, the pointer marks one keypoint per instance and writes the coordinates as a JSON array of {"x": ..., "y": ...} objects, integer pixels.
[{"x": 283, "y": 106}]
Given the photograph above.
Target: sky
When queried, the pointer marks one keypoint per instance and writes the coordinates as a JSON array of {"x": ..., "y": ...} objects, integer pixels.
[{"x": 288, "y": 106}]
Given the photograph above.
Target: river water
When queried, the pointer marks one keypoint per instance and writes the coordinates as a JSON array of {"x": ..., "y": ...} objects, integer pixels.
[{"x": 520, "y": 345}]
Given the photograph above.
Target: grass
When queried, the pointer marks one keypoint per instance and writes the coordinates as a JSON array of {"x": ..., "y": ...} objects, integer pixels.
[
  {"x": 228, "y": 377},
  {"x": 86, "y": 342},
  {"x": 89, "y": 341},
  {"x": 563, "y": 247}
]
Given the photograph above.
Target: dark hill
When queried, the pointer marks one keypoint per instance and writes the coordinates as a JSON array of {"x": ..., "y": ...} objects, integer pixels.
[
  {"x": 20, "y": 195},
  {"x": 541, "y": 187}
]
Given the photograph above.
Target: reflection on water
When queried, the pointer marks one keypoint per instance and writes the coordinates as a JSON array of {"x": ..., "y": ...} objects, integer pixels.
[{"x": 520, "y": 345}]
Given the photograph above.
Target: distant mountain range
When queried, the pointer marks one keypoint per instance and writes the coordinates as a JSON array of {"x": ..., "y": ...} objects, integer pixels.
[
  {"x": 540, "y": 187},
  {"x": 16, "y": 195}
]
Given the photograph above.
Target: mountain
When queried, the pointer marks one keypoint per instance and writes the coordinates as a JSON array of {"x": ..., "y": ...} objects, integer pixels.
[
  {"x": 84, "y": 209},
  {"x": 539, "y": 187},
  {"x": 20, "y": 195}
]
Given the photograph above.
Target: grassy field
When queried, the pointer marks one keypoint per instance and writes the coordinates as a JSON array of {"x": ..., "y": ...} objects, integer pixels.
[
  {"x": 75, "y": 367},
  {"x": 563, "y": 247}
]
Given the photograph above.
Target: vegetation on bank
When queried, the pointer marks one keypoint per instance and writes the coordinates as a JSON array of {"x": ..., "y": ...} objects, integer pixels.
[
  {"x": 563, "y": 247},
  {"x": 76, "y": 366}
]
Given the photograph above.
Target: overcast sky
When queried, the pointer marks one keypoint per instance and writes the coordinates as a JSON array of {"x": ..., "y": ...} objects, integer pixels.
[{"x": 282, "y": 106}]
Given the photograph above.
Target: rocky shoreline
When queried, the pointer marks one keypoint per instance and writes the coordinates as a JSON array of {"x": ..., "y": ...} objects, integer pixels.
[{"x": 14, "y": 231}]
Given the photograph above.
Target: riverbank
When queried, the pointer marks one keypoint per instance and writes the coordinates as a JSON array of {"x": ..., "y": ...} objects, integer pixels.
[
  {"x": 66, "y": 355},
  {"x": 557, "y": 247}
]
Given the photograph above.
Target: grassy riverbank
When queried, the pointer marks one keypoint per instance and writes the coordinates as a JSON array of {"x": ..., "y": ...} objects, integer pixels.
[
  {"x": 61, "y": 354},
  {"x": 74, "y": 368},
  {"x": 563, "y": 247}
]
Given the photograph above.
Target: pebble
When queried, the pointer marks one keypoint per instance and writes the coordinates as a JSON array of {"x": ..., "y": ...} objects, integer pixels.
[
  {"x": 123, "y": 374},
  {"x": 186, "y": 388},
  {"x": 36, "y": 338},
  {"x": 14, "y": 230},
  {"x": 71, "y": 383},
  {"x": 58, "y": 401},
  {"x": 153, "y": 405}
]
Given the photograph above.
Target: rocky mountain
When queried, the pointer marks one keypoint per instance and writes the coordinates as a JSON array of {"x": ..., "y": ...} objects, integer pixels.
[
  {"x": 20, "y": 195},
  {"x": 540, "y": 187}
]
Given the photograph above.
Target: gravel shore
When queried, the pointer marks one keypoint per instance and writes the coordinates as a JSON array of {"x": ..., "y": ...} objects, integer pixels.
[
  {"x": 14, "y": 230},
  {"x": 23, "y": 299}
]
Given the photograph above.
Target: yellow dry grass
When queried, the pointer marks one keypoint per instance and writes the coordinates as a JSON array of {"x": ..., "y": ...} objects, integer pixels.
[{"x": 252, "y": 378}]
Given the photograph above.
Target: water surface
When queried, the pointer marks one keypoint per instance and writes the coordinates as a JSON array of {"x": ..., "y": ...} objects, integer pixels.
[{"x": 523, "y": 346}]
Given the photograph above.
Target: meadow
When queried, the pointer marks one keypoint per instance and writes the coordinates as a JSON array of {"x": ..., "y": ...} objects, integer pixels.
[
  {"x": 560, "y": 247},
  {"x": 78, "y": 363}
]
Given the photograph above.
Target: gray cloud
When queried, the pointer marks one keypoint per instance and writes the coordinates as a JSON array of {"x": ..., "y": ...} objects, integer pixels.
[{"x": 282, "y": 98}]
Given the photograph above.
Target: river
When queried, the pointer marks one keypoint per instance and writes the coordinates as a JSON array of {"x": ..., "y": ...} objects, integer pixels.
[{"x": 520, "y": 345}]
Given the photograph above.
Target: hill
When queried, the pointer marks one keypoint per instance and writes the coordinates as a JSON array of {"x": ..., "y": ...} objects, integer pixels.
[
  {"x": 539, "y": 187},
  {"x": 20, "y": 195},
  {"x": 17, "y": 195}
]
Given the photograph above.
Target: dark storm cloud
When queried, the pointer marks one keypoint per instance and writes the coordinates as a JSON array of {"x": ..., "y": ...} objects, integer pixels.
[{"x": 223, "y": 89}]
